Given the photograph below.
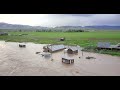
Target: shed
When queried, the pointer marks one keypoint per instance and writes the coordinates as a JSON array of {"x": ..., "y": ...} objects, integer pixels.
[
  {"x": 3, "y": 33},
  {"x": 67, "y": 60},
  {"x": 53, "y": 48},
  {"x": 72, "y": 50}
]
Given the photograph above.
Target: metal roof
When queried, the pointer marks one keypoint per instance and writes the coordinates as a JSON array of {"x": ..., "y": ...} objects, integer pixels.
[
  {"x": 103, "y": 44},
  {"x": 56, "y": 47},
  {"x": 73, "y": 48}
]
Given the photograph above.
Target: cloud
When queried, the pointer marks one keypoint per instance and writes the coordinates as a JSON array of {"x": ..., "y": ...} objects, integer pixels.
[{"x": 61, "y": 19}]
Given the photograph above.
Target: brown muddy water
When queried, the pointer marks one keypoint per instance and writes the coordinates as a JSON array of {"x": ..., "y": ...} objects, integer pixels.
[{"x": 15, "y": 61}]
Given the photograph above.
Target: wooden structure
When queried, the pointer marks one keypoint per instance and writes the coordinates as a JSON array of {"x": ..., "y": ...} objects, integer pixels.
[
  {"x": 67, "y": 60},
  {"x": 53, "y": 48},
  {"x": 72, "y": 50},
  {"x": 107, "y": 46},
  {"x": 3, "y": 33}
]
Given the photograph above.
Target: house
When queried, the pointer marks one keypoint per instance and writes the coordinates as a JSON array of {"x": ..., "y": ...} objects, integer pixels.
[
  {"x": 3, "y": 33},
  {"x": 72, "y": 50},
  {"x": 53, "y": 48}
]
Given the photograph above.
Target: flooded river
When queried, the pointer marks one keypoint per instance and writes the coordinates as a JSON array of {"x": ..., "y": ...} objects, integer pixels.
[{"x": 16, "y": 61}]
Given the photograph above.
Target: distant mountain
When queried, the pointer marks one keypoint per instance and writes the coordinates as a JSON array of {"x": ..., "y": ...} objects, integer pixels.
[
  {"x": 102, "y": 27},
  {"x": 28, "y": 27},
  {"x": 69, "y": 27},
  {"x": 18, "y": 26}
]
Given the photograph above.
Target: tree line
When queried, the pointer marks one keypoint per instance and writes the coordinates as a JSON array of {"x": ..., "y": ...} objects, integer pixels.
[{"x": 61, "y": 30}]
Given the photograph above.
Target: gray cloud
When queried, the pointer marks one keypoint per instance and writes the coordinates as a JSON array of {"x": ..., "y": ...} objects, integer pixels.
[
  {"x": 63, "y": 19},
  {"x": 84, "y": 19},
  {"x": 84, "y": 15}
]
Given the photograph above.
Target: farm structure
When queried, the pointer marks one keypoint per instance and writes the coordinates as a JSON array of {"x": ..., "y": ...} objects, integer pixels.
[
  {"x": 72, "y": 50},
  {"x": 67, "y": 60},
  {"x": 106, "y": 45},
  {"x": 53, "y": 48},
  {"x": 3, "y": 33}
]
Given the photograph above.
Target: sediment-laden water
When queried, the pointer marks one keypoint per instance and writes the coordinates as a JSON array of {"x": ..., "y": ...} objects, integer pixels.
[{"x": 16, "y": 61}]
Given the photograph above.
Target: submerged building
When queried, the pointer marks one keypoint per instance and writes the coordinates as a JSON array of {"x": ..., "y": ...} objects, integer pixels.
[
  {"x": 53, "y": 48},
  {"x": 72, "y": 50}
]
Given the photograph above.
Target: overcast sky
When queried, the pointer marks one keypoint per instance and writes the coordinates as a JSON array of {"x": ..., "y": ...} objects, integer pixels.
[{"x": 52, "y": 20}]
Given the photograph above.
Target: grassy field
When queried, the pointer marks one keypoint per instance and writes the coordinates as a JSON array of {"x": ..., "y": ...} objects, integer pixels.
[{"x": 84, "y": 39}]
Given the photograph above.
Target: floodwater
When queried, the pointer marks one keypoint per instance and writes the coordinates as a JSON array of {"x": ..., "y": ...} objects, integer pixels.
[{"x": 15, "y": 61}]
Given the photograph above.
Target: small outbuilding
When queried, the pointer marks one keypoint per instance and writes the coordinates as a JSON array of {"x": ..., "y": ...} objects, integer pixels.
[
  {"x": 3, "y": 33},
  {"x": 72, "y": 50},
  {"x": 67, "y": 60}
]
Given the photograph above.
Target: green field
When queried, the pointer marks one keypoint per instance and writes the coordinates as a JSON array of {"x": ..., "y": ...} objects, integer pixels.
[{"x": 84, "y": 39}]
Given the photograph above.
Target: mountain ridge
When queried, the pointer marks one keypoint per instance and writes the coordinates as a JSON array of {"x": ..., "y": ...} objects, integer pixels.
[{"x": 20, "y": 26}]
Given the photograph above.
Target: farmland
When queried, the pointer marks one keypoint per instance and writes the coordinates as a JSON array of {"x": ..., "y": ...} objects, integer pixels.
[{"x": 83, "y": 39}]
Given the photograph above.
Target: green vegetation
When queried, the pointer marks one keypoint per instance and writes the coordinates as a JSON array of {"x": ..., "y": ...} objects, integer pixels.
[{"x": 84, "y": 39}]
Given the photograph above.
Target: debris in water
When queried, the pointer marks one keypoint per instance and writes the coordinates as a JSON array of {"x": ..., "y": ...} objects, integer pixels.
[
  {"x": 90, "y": 57},
  {"x": 22, "y": 45},
  {"x": 37, "y": 52}
]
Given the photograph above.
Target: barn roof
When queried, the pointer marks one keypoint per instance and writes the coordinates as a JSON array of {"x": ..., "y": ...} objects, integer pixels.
[
  {"x": 73, "y": 48},
  {"x": 56, "y": 47}
]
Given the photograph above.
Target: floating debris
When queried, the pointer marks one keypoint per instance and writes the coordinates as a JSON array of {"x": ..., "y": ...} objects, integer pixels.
[
  {"x": 90, "y": 57},
  {"x": 38, "y": 52},
  {"x": 22, "y": 45},
  {"x": 46, "y": 54}
]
